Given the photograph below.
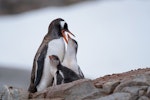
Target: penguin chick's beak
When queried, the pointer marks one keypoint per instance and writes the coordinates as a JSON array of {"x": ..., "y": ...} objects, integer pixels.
[{"x": 64, "y": 35}]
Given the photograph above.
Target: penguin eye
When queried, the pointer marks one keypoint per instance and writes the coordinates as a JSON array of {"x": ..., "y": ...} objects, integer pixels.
[{"x": 56, "y": 58}]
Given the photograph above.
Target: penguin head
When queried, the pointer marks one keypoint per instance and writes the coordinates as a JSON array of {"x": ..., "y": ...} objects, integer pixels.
[
  {"x": 54, "y": 60},
  {"x": 59, "y": 26}
]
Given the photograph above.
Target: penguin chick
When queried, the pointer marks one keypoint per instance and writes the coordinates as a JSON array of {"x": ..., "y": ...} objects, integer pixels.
[{"x": 63, "y": 74}]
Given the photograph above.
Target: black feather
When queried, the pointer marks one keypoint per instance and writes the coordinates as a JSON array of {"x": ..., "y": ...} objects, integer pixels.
[
  {"x": 40, "y": 65},
  {"x": 59, "y": 78}
]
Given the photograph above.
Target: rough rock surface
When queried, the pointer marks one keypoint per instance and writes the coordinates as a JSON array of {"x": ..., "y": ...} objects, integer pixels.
[{"x": 132, "y": 85}]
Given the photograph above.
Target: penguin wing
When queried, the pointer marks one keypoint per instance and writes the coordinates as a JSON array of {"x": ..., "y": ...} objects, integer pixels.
[
  {"x": 40, "y": 65},
  {"x": 35, "y": 77},
  {"x": 59, "y": 77},
  {"x": 80, "y": 72}
]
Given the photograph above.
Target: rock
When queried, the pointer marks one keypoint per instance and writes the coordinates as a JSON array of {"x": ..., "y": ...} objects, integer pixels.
[
  {"x": 136, "y": 90},
  {"x": 148, "y": 92},
  {"x": 143, "y": 98},
  {"x": 111, "y": 87},
  {"x": 130, "y": 83},
  {"x": 76, "y": 90},
  {"x": 11, "y": 93},
  {"x": 117, "y": 96},
  {"x": 142, "y": 78}
]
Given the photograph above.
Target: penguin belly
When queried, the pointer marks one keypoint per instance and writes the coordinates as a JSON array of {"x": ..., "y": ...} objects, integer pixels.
[{"x": 55, "y": 47}]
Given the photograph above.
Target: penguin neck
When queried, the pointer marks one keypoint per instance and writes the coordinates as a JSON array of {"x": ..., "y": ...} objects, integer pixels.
[
  {"x": 59, "y": 66},
  {"x": 70, "y": 56},
  {"x": 53, "y": 33}
]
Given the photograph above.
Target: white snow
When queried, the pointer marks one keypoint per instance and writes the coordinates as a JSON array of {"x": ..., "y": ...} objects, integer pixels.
[{"x": 113, "y": 35}]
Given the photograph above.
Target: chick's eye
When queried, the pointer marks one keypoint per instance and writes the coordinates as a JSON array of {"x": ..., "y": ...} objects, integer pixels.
[{"x": 55, "y": 58}]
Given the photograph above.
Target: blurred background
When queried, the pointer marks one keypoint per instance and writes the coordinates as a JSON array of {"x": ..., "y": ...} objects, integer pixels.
[{"x": 113, "y": 35}]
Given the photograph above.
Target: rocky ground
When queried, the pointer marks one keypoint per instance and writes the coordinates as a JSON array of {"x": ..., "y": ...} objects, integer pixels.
[
  {"x": 132, "y": 85},
  {"x": 120, "y": 76},
  {"x": 18, "y": 6}
]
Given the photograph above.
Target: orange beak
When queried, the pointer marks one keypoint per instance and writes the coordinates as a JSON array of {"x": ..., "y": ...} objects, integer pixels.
[
  {"x": 64, "y": 35},
  {"x": 70, "y": 33}
]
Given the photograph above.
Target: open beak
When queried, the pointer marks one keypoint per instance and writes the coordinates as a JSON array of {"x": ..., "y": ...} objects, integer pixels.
[
  {"x": 69, "y": 37},
  {"x": 64, "y": 35},
  {"x": 70, "y": 33}
]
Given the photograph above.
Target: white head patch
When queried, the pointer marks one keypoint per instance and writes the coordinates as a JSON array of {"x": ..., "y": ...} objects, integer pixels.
[{"x": 62, "y": 23}]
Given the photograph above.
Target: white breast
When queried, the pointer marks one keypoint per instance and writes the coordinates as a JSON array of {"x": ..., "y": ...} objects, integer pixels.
[
  {"x": 71, "y": 64},
  {"x": 55, "y": 47}
]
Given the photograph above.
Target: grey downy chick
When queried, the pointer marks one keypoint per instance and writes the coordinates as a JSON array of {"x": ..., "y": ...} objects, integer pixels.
[{"x": 63, "y": 74}]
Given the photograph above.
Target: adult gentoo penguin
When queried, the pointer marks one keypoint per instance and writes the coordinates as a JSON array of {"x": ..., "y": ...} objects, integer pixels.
[
  {"x": 70, "y": 59},
  {"x": 63, "y": 74},
  {"x": 52, "y": 44}
]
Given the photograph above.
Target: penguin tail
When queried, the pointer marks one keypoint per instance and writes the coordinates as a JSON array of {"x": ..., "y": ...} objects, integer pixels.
[{"x": 32, "y": 88}]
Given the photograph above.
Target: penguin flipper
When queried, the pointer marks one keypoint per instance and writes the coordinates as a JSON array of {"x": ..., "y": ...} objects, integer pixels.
[
  {"x": 59, "y": 78},
  {"x": 40, "y": 65},
  {"x": 80, "y": 73}
]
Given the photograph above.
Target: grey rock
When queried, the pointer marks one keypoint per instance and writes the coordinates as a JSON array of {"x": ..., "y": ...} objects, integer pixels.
[
  {"x": 76, "y": 90},
  {"x": 80, "y": 91},
  {"x": 136, "y": 90},
  {"x": 148, "y": 92},
  {"x": 10, "y": 93},
  {"x": 117, "y": 96},
  {"x": 141, "y": 92},
  {"x": 110, "y": 86},
  {"x": 143, "y": 98},
  {"x": 142, "y": 78},
  {"x": 130, "y": 83}
]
